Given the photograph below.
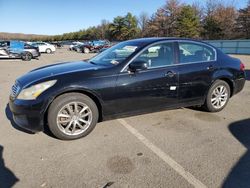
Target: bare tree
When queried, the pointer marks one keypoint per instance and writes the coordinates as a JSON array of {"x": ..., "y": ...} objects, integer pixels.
[
  {"x": 199, "y": 9},
  {"x": 164, "y": 21},
  {"x": 226, "y": 16},
  {"x": 143, "y": 20},
  {"x": 220, "y": 20},
  {"x": 104, "y": 27}
]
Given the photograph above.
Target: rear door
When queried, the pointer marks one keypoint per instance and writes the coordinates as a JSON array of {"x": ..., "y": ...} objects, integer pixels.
[
  {"x": 197, "y": 62},
  {"x": 153, "y": 88}
]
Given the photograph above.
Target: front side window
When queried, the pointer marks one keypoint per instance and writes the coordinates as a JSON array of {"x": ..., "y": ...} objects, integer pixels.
[
  {"x": 158, "y": 55},
  {"x": 192, "y": 52},
  {"x": 116, "y": 54}
]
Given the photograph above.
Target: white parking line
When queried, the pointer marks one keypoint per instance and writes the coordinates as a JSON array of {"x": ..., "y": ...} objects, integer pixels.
[{"x": 166, "y": 158}]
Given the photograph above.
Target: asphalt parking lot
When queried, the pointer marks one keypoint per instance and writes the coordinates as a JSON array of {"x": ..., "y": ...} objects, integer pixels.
[{"x": 177, "y": 148}]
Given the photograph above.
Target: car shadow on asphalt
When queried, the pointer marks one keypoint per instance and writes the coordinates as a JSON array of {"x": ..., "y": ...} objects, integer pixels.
[
  {"x": 247, "y": 75},
  {"x": 7, "y": 177},
  {"x": 240, "y": 174},
  {"x": 9, "y": 115}
]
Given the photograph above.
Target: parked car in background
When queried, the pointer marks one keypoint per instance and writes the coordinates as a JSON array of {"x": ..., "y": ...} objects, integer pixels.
[
  {"x": 77, "y": 47},
  {"x": 71, "y": 47},
  {"x": 34, "y": 51},
  {"x": 57, "y": 44},
  {"x": 136, "y": 76},
  {"x": 18, "y": 49},
  {"x": 44, "y": 47},
  {"x": 94, "y": 46},
  {"x": 66, "y": 42}
]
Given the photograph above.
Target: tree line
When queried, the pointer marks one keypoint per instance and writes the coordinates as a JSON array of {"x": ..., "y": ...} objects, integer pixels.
[{"x": 215, "y": 20}]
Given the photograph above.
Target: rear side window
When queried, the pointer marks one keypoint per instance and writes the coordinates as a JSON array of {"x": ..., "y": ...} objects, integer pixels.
[{"x": 194, "y": 52}]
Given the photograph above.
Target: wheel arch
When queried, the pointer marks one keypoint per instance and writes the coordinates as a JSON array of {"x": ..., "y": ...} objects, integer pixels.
[
  {"x": 230, "y": 83},
  {"x": 25, "y": 53},
  {"x": 86, "y": 47},
  {"x": 81, "y": 91},
  {"x": 225, "y": 75},
  {"x": 48, "y": 48},
  {"x": 226, "y": 79}
]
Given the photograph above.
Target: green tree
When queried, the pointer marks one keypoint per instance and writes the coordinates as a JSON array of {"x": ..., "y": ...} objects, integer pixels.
[
  {"x": 124, "y": 28},
  {"x": 211, "y": 29},
  {"x": 188, "y": 23},
  {"x": 243, "y": 22}
]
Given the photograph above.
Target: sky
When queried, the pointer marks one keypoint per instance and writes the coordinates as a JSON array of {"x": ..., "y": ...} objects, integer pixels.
[{"x": 52, "y": 17}]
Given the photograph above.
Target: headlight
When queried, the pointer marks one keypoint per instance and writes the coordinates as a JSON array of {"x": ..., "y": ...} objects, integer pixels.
[{"x": 34, "y": 91}]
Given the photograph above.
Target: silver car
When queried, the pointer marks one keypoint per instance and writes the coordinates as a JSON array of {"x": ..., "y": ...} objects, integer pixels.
[{"x": 27, "y": 52}]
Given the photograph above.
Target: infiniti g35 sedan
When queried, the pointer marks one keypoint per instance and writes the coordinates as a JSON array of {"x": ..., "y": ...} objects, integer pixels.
[{"x": 132, "y": 77}]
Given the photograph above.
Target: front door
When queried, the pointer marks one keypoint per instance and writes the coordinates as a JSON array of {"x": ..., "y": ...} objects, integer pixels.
[{"x": 152, "y": 88}]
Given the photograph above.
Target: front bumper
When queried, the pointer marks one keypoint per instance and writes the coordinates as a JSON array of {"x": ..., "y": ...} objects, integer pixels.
[{"x": 28, "y": 114}]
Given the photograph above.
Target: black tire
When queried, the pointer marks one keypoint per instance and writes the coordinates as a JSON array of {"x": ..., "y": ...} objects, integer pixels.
[
  {"x": 27, "y": 56},
  {"x": 86, "y": 50},
  {"x": 208, "y": 106},
  {"x": 59, "y": 103},
  {"x": 48, "y": 51}
]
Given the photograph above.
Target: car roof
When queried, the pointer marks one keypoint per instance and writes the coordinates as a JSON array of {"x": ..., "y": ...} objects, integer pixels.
[{"x": 159, "y": 39}]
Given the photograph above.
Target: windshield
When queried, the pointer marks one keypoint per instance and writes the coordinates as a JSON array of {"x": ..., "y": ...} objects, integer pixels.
[{"x": 116, "y": 54}]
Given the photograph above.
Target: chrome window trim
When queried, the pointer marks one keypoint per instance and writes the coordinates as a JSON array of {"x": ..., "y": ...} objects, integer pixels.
[
  {"x": 142, "y": 50},
  {"x": 148, "y": 70},
  {"x": 124, "y": 69}
]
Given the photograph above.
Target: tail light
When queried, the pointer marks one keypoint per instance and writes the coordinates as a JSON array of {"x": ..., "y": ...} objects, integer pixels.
[{"x": 242, "y": 67}]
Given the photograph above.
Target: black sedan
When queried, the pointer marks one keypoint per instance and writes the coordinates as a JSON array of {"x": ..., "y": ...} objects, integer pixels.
[{"x": 132, "y": 77}]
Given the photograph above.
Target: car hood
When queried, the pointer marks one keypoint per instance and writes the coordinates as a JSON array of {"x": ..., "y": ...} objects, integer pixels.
[{"x": 54, "y": 70}]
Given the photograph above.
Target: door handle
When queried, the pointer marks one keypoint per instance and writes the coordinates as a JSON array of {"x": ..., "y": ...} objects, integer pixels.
[
  {"x": 170, "y": 74},
  {"x": 210, "y": 68}
]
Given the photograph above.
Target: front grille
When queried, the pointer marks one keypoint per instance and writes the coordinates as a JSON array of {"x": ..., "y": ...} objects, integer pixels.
[{"x": 15, "y": 90}]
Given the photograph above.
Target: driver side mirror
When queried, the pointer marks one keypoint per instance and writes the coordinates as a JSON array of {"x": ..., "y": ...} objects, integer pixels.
[{"x": 138, "y": 65}]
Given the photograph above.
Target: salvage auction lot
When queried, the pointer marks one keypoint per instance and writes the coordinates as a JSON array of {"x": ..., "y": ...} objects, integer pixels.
[{"x": 177, "y": 148}]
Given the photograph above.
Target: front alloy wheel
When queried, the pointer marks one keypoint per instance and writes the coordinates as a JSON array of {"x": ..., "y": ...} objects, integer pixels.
[
  {"x": 74, "y": 118},
  {"x": 72, "y": 115}
]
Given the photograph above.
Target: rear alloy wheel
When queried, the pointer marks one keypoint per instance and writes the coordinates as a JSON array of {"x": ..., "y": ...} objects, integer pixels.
[
  {"x": 72, "y": 116},
  {"x": 27, "y": 56},
  {"x": 86, "y": 50},
  {"x": 48, "y": 51},
  {"x": 218, "y": 96}
]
